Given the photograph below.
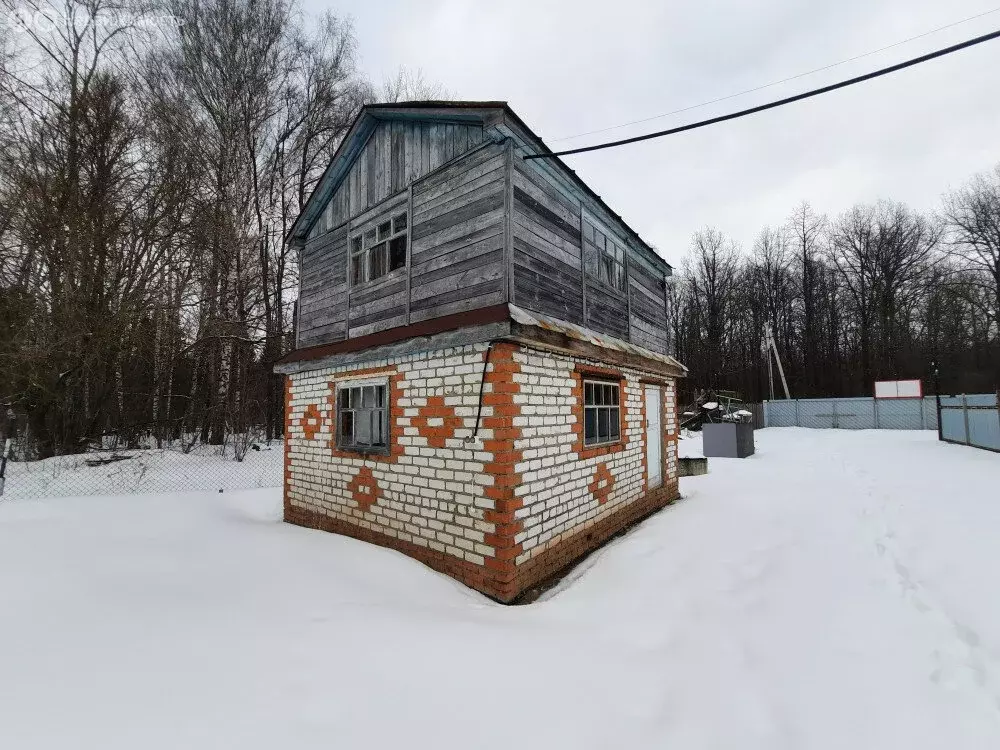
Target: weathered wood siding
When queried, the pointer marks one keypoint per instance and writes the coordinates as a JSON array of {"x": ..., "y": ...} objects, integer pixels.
[
  {"x": 323, "y": 293},
  {"x": 457, "y": 236},
  {"x": 378, "y": 304},
  {"x": 607, "y": 307},
  {"x": 397, "y": 153},
  {"x": 649, "y": 314},
  {"x": 463, "y": 193},
  {"x": 546, "y": 243},
  {"x": 548, "y": 278}
]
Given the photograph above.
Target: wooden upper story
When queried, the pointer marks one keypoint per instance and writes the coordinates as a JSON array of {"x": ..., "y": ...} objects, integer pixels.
[{"x": 429, "y": 209}]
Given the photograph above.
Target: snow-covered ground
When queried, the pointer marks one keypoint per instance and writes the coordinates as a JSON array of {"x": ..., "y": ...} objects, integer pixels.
[{"x": 837, "y": 590}]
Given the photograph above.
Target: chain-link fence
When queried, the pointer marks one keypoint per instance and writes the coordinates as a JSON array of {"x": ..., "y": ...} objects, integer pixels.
[
  {"x": 178, "y": 466},
  {"x": 971, "y": 420},
  {"x": 853, "y": 413}
]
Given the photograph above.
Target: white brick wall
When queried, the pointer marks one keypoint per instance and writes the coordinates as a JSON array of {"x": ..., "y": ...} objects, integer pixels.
[
  {"x": 555, "y": 488},
  {"x": 436, "y": 497},
  {"x": 433, "y": 497}
]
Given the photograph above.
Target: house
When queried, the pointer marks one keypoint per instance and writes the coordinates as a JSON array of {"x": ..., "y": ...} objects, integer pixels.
[{"x": 481, "y": 379}]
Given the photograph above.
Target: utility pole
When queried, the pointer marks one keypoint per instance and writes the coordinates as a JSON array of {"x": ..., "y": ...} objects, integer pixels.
[{"x": 769, "y": 348}]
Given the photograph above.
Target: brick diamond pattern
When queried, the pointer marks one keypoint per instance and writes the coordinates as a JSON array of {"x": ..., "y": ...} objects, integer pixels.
[
  {"x": 436, "y": 421},
  {"x": 602, "y": 483},
  {"x": 364, "y": 489}
]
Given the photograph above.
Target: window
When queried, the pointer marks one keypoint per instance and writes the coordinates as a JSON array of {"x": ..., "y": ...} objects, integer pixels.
[
  {"x": 605, "y": 259},
  {"x": 363, "y": 418},
  {"x": 601, "y": 413},
  {"x": 379, "y": 249}
]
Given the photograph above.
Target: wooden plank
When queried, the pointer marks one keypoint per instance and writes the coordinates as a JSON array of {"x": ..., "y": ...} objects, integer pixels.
[
  {"x": 467, "y": 245},
  {"x": 459, "y": 200},
  {"x": 583, "y": 268},
  {"x": 458, "y": 283},
  {"x": 543, "y": 192},
  {"x": 362, "y": 312},
  {"x": 559, "y": 273},
  {"x": 473, "y": 211},
  {"x": 468, "y": 167},
  {"x": 547, "y": 217},
  {"x": 391, "y": 283},
  {"x": 464, "y": 257},
  {"x": 470, "y": 294},
  {"x": 393, "y": 202},
  {"x": 423, "y": 275},
  {"x": 508, "y": 225},
  {"x": 485, "y": 299},
  {"x": 541, "y": 239},
  {"x": 409, "y": 254},
  {"x": 457, "y": 189},
  {"x": 379, "y": 322},
  {"x": 532, "y": 296},
  {"x": 436, "y": 146},
  {"x": 425, "y": 148},
  {"x": 491, "y": 222}
]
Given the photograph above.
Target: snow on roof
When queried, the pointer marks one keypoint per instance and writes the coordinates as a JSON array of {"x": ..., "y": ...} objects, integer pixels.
[{"x": 524, "y": 317}]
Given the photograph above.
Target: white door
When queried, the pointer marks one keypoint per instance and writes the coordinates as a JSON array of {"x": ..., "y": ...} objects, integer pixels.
[{"x": 654, "y": 445}]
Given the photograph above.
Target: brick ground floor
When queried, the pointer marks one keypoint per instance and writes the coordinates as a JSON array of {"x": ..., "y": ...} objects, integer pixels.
[{"x": 488, "y": 471}]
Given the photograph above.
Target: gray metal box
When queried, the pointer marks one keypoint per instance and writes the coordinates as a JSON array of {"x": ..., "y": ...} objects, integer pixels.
[{"x": 727, "y": 439}]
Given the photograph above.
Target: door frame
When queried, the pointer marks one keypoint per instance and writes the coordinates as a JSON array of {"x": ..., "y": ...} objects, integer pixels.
[{"x": 657, "y": 433}]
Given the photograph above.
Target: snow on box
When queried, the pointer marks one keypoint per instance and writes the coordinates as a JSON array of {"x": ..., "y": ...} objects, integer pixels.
[{"x": 836, "y": 590}]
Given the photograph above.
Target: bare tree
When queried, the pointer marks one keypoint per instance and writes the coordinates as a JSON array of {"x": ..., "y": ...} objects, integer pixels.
[{"x": 972, "y": 221}]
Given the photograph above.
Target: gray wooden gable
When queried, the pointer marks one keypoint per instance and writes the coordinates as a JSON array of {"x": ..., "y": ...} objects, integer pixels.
[
  {"x": 395, "y": 154},
  {"x": 486, "y": 227}
]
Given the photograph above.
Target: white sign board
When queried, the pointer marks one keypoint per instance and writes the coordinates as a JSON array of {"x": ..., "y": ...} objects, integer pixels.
[{"x": 898, "y": 389}]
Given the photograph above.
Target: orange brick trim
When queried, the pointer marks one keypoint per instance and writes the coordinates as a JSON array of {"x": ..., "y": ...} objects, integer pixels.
[
  {"x": 364, "y": 489},
  {"x": 395, "y": 413},
  {"x": 507, "y": 526},
  {"x": 580, "y": 372},
  {"x": 436, "y": 409},
  {"x": 311, "y": 421},
  {"x": 602, "y": 483}
]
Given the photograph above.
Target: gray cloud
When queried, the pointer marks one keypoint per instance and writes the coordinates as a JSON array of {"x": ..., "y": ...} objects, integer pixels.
[{"x": 570, "y": 67}]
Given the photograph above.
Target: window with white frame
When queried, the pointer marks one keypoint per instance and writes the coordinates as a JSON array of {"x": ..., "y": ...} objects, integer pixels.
[
  {"x": 379, "y": 249},
  {"x": 605, "y": 258},
  {"x": 363, "y": 417},
  {"x": 601, "y": 412}
]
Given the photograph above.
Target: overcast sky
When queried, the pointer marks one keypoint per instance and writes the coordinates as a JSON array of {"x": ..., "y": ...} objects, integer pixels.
[{"x": 571, "y": 66}]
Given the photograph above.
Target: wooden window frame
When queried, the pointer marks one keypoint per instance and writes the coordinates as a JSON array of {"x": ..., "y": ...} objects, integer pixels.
[
  {"x": 362, "y": 240},
  {"x": 603, "y": 257},
  {"x": 385, "y": 408},
  {"x": 615, "y": 408}
]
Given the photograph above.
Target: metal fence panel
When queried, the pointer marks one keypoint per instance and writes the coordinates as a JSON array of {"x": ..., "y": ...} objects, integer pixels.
[
  {"x": 973, "y": 419},
  {"x": 953, "y": 425},
  {"x": 852, "y": 413},
  {"x": 984, "y": 429}
]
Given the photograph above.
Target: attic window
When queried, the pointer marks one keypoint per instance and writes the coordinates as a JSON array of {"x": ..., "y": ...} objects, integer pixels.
[
  {"x": 378, "y": 249},
  {"x": 605, "y": 259}
]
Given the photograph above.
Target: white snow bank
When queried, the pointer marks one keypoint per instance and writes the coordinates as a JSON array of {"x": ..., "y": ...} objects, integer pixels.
[{"x": 836, "y": 590}]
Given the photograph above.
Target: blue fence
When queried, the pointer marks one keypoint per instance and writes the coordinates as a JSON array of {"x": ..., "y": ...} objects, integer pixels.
[
  {"x": 971, "y": 420},
  {"x": 853, "y": 413}
]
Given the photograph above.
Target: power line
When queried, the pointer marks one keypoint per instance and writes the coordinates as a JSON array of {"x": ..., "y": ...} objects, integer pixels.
[
  {"x": 777, "y": 83},
  {"x": 779, "y": 102}
]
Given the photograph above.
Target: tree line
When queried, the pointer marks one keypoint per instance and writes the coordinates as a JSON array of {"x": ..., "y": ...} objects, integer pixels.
[
  {"x": 153, "y": 156},
  {"x": 876, "y": 293}
]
